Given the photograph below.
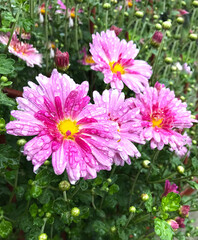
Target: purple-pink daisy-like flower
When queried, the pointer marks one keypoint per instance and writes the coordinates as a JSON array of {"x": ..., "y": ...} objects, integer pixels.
[
  {"x": 162, "y": 116},
  {"x": 23, "y": 50},
  {"x": 58, "y": 112},
  {"x": 125, "y": 114},
  {"x": 173, "y": 224},
  {"x": 170, "y": 188},
  {"x": 115, "y": 59}
]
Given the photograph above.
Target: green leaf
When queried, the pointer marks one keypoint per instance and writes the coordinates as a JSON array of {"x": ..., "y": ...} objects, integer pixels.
[
  {"x": 121, "y": 221},
  {"x": 194, "y": 163},
  {"x": 163, "y": 229},
  {"x": 5, "y": 228},
  {"x": 171, "y": 202},
  {"x": 100, "y": 227},
  {"x": 44, "y": 177},
  {"x": 193, "y": 185},
  {"x": 4, "y": 100},
  {"x": 8, "y": 157},
  {"x": 113, "y": 189},
  {"x": 33, "y": 210},
  {"x": 6, "y": 64},
  {"x": 83, "y": 185},
  {"x": 149, "y": 202}
]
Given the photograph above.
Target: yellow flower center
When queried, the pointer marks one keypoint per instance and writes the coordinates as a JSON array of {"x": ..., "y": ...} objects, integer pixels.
[
  {"x": 116, "y": 67},
  {"x": 89, "y": 60},
  {"x": 130, "y": 4},
  {"x": 157, "y": 122},
  {"x": 72, "y": 15},
  {"x": 42, "y": 11},
  {"x": 68, "y": 128}
]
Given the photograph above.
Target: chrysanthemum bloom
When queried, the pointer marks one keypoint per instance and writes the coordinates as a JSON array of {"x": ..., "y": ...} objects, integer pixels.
[
  {"x": 180, "y": 222},
  {"x": 162, "y": 116},
  {"x": 87, "y": 58},
  {"x": 125, "y": 114},
  {"x": 157, "y": 38},
  {"x": 184, "y": 210},
  {"x": 23, "y": 50},
  {"x": 62, "y": 60},
  {"x": 24, "y": 35},
  {"x": 117, "y": 30},
  {"x": 115, "y": 59},
  {"x": 57, "y": 111},
  {"x": 170, "y": 188}
]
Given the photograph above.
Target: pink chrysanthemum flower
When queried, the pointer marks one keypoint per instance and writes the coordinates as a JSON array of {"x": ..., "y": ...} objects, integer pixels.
[
  {"x": 87, "y": 58},
  {"x": 115, "y": 59},
  {"x": 23, "y": 50},
  {"x": 170, "y": 188},
  {"x": 162, "y": 116},
  {"x": 57, "y": 111},
  {"x": 125, "y": 114}
]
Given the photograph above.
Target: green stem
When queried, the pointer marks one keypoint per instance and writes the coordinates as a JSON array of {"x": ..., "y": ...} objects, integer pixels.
[
  {"x": 129, "y": 219},
  {"x": 12, "y": 30},
  {"x": 32, "y": 9},
  {"x": 133, "y": 187},
  {"x": 113, "y": 171},
  {"x": 76, "y": 190},
  {"x": 93, "y": 203},
  {"x": 43, "y": 227},
  {"x": 106, "y": 19},
  {"x": 15, "y": 182},
  {"x": 66, "y": 23},
  {"x": 193, "y": 16},
  {"x": 76, "y": 29},
  {"x": 65, "y": 196},
  {"x": 165, "y": 71},
  {"x": 46, "y": 35},
  {"x": 189, "y": 51},
  {"x": 144, "y": 25},
  {"x": 142, "y": 218},
  {"x": 164, "y": 6},
  {"x": 149, "y": 235},
  {"x": 135, "y": 28},
  {"x": 153, "y": 161}
]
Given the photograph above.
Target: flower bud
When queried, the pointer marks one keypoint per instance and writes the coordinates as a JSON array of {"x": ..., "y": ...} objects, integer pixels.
[
  {"x": 113, "y": 229},
  {"x": 47, "y": 163},
  {"x": 144, "y": 197},
  {"x": 155, "y": 16},
  {"x": 62, "y": 60},
  {"x": 154, "y": 209},
  {"x": 109, "y": 180},
  {"x": 174, "y": 68},
  {"x": 183, "y": 3},
  {"x": 180, "y": 169},
  {"x": 157, "y": 38},
  {"x": 146, "y": 164},
  {"x": 75, "y": 212},
  {"x": 48, "y": 215},
  {"x": 189, "y": 89},
  {"x": 158, "y": 26},
  {"x": 126, "y": 14},
  {"x": 192, "y": 132},
  {"x": 4, "y": 79},
  {"x": 171, "y": 83},
  {"x": 193, "y": 36},
  {"x": 168, "y": 60},
  {"x": 117, "y": 30},
  {"x": 173, "y": 224},
  {"x": 180, "y": 20},
  {"x": 106, "y": 6},
  {"x": 139, "y": 14},
  {"x": 64, "y": 185},
  {"x": 166, "y": 25},
  {"x": 184, "y": 210},
  {"x": 21, "y": 142},
  {"x": 182, "y": 98},
  {"x": 42, "y": 236},
  {"x": 132, "y": 209},
  {"x": 195, "y": 3},
  {"x": 194, "y": 142}
]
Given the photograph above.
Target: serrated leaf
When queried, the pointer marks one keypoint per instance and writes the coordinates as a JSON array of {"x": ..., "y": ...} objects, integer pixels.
[
  {"x": 163, "y": 229},
  {"x": 5, "y": 228},
  {"x": 149, "y": 202},
  {"x": 6, "y": 64},
  {"x": 171, "y": 202},
  {"x": 8, "y": 156},
  {"x": 193, "y": 185},
  {"x": 4, "y": 100},
  {"x": 113, "y": 189},
  {"x": 194, "y": 163}
]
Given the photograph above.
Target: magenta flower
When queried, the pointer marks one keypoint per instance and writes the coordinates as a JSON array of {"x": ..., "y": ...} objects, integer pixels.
[
  {"x": 87, "y": 58},
  {"x": 173, "y": 224},
  {"x": 115, "y": 59},
  {"x": 162, "y": 116},
  {"x": 117, "y": 30},
  {"x": 180, "y": 222},
  {"x": 125, "y": 114},
  {"x": 62, "y": 60},
  {"x": 170, "y": 188},
  {"x": 184, "y": 210},
  {"x": 157, "y": 38},
  {"x": 23, "y": 50},
  {"x": 57, "y": 111}
]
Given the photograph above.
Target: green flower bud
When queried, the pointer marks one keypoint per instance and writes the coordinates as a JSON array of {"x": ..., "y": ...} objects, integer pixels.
[
  {"x": 21, "y": 142},
  {"x": 168, "y": 60},
  {"x": 64, "y": 185},
  {"x": 106, "y": 6},
  {"x": 126, "y": 14},
  {"x": 109, "y": 180},
  {"x": 192, "y": 132},
  {"x": 189, "y": 89},
  {"x": 180, "y": 169},
  {"x": 155, "y": 16},
  {"x": 182, "y": 98},
  {"x": 193, "y": 36},
  {"x": 95, "y": 26},
  {"x": 166, "y": 25},
  {"x": 47, "y": 163},
  {"x": 171, "y": 83},
  {"x": 4, "y": 79},
  {"x": 113, "y": 229},
  {"x": 168, "y": 33},
  {"x": 75, "y": 212},
  {"x": 158, "y": 26},
  {"x": 194, "y": 142},
  {"x": 160, "y": 21},
  {"x": 48, "y": 215},
  {"x": 183, "y": 3},
  {"x": 191, "y": 104},
  {"x": 42, "y": 236},
  {"x": 56, "y": 41},
  {"x": 187, "y": 234},
  {"x": 180, "y": 20},
  {"x": 146, "y": 164},
  {"x": 139, "y": 14},
  {"x": 132, "y": 209},
  {"x": 144, "y": 197},
  {"x": 174, "y": 68},
  {"x": 154, "y": 209},
  {"x": 195, "y": 3}
]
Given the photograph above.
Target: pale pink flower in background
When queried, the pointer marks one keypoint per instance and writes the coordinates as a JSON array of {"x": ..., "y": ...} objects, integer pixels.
[
  {"x": 162, "y": 116},
  {"x": 24, "y": 35},
  {"x": 115, "y": 59},
  {"x": 23, "y": 50},
  {"x": 125, "y": 114},
  {"x": 86, "y": 58},
  {"x": 57, "y": 111},
  {"x": 183, "y": 67}
]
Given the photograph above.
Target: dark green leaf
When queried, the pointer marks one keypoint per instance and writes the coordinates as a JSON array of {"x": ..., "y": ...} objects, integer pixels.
[
  {"x": 193, "y": 185},
  {"x": 5, "y": 228},
  {"x": 6, "y": 64}
]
